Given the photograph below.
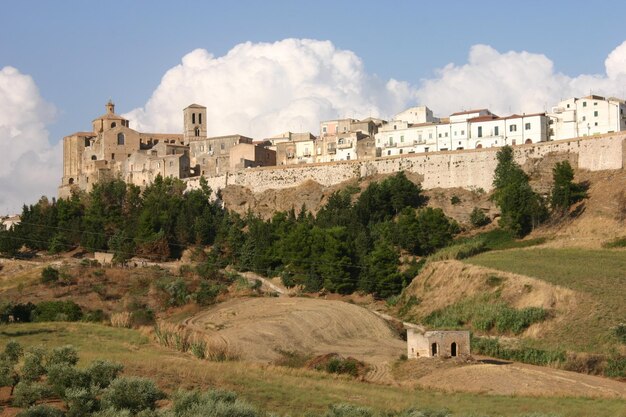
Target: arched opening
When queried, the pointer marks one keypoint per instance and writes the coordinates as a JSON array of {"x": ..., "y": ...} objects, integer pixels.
[
  {"x": 193, "y": 118},
  {"x": 113, "y": 125},
  {"x": 453, "y": 349},
  {"x": 197, "y": 132},
  {"x": 528, "y": 141},
  {"x": 93, "y": 157},
  {"x": 479, "y": 146},
  {"x": 433, "y": 349},
  {"x": 120, "y": 138},
  {"x": 71, "y": 181}
]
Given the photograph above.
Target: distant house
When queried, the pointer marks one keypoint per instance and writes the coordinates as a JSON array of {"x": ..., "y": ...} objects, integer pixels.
[
  {"x": 9, "y": 221},
  {"x": 444, "y": 343}
]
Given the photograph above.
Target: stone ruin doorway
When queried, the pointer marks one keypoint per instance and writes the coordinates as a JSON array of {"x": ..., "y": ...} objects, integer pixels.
[
  {"x": 433, "y": 349},
  {"x": 453, "y": 349}
]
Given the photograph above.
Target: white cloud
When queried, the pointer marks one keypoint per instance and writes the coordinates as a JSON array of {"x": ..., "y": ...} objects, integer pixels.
[
  {"x": 515, "y": 82},
  {"x": 30, "y": 166},
  {"x": 266, "y": 88}
]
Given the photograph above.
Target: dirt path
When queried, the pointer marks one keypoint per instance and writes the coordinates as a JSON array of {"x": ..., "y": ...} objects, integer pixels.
[
  {"x": 522, "y": 379},
  {"x": 266, "y": 284}
]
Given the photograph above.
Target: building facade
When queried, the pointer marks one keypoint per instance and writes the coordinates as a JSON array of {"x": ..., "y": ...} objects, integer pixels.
[{"x": 438, "y": 343}]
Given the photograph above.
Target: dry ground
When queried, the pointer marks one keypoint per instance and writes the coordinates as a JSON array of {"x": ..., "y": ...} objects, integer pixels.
[{"x": 260, "y": 326}]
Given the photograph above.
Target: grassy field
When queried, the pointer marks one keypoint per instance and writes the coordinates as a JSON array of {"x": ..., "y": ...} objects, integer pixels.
[
  {"x": 280, "y": 389},
  {"x": 599, "y": 275}
]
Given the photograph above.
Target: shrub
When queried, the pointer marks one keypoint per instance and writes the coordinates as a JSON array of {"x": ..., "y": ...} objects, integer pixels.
[
  {"x": 207, "y": 292},
  {"x": 13, "y": 351},
  {"x": 460, "y": 250},
  {"x": 454, "y": 200},
  {"x": 616, "y": 367},
  {"x": 102, "y": 372},
  {"x": 620, "y": 332},
  {"x": 28, "y": 393},
  {"x": 80, "y": 402},
  {"x": 41, "y": 411},
  {"x": 32, "y": 368},
  {"x": 63, "y": 376},
  {"x": 95, "y": 316},
  {"x": 619, "y": 242},
  {"x": 131, "y": 393},
  {"x": 492, "y": 347},
  {"x": 142, "y": 316},
  {"x": 66, "y": 355},
  {"x": 57, "y": 311},
  {"x": 49, "y": 275},
  {"x": 478, "y": 218},
  {"x": 348, "y": 410}
]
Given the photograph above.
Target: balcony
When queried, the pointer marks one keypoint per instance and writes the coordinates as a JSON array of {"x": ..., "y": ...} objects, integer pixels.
[
  {"x": 344, "y": 145},
  {"x": 332, "y": 149}
]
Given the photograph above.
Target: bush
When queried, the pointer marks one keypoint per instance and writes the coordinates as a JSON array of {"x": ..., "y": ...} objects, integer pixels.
[
  {"x": 61, "y": 377},
  {"x": 454, "y": 200},
  {"x": 102, "y": 372},
  {"x": 49, "y": 275},
  {"x": 32, "y": 368},
  {"x": 95, "y": 316},
  {"x": 41, "y": 411},
  {"x": 620, "y": 332},
  {"x": 66, "y": 355},
  {"x": 131, "y": 393},
  {"x": 80, "y": 402},
  {"x": 57, "y": 311},
  {"x": 619, "y": 242},
  {"x": 28, "y": 393},
  {"x": 492, "y": 347},
  {"x": 616, "y": 367},
  {"x": 478, "y": 218},
  {"x": 460, "y": 250},
  {"x": 207, "y": 292}
]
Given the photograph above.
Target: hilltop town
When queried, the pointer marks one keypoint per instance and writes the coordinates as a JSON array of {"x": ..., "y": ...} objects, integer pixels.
[{"x": 112, "y": 149}]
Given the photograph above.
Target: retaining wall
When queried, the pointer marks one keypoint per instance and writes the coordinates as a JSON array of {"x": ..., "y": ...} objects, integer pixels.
[{"x": 465, "y": 169}]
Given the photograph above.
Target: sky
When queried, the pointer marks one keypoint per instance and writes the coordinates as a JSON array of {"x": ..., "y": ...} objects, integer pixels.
[{"x": 264, "y": 67}]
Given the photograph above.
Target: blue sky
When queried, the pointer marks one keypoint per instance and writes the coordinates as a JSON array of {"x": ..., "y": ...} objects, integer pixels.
[
  {"x": 80, "y": 53},
  {"x": 249, "y": 63}
]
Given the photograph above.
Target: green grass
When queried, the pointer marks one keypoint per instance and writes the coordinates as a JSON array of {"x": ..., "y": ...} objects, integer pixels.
[
  {"x": 283, "y": 390},
  {"x": 599, "y": 277}
]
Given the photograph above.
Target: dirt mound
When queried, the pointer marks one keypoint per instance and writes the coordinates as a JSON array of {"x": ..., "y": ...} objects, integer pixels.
[{"x": 261, "y": 327}]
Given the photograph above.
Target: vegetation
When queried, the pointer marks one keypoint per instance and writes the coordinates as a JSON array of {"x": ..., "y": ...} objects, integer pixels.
[
  {"x": 287, "y": 391},
  {"x": 521, "y": 208},
  {"x": 349, "y": 246},
  {"x": 492, "y": 347},
  {"x": 478, "y": 218},
  {"x": 564, "y": 191},
  {"x": 485, "y": 313}
]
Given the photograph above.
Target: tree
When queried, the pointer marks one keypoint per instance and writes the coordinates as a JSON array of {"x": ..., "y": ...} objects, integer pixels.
[
  {"x": 521, "y": 208},
  {"x": 478, "y": 218},
  {"x": 381, "y": 275},
  {"x": 564, "y": 191}
]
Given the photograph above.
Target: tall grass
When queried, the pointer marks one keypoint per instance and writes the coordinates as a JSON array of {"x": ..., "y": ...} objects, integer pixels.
[
  {"x": 484, "y": 313},
  {"x": 183, "y": 339}
]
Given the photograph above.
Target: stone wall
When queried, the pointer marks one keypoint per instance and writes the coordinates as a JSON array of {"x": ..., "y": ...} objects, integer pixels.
[{"x": 466, "y": 169}]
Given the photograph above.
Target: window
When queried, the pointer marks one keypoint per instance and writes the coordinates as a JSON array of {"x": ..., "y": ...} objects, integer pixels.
[
  {"x": 446, "y": 134},
  {"x": 93, "y": 157},
  {"x": 401, "y": 138},
  {"x": 462, "y": 132},
  {"x": 595, "y": 103},
  {"x": 426, "y": 149},
  {"x": 193, "y": 118},
  {"x": 595, "y": 124},
  {"x": 419, "y": 137},
  {"x": 401, "y": 151},
  {"x": 496, "y": 130},
  {"x": 171, "y": 163},
  {"x": 513, "y": 128},
  {"x": 440, "y": 135},
  {"x": 120, "y": 138},
  {"x": 196, "y": 131},
  {"x": 324, "y": 129},
  {"x": 455, "y": 132},
  {"x": 113, "y": 157},
  {"x": 527, "y": 126},
  {"x": 201, "y": 148},
  {"x": 480, "y": 131},
  {"x": 388, "y": 153},
  {"x": 568, "y": 106},
  {"x": 113, "y": 125},
  {"x": 200, "y": 118},
  {"x": 430, "y": 136},
  {"x": 584, "y": 118},
  {"x": 595, "y": 113},
  {"x": 584, "y": 104},
  {"x": 221, "y": 146},
  {"x": 394, "y": 127}
]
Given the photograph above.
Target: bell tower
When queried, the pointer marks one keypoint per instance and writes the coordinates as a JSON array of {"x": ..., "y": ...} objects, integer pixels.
[{"x": 194, "y": 117}]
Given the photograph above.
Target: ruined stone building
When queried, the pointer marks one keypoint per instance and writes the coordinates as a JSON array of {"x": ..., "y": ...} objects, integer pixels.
[
  {"x": 113, "y": 150},
  {"x": 442, "y": 343}
]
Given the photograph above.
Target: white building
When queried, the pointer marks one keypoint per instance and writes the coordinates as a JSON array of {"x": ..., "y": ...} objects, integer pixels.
[
  {"x": 463, "y": 130},
  {"x": 591, "y": 115}
]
